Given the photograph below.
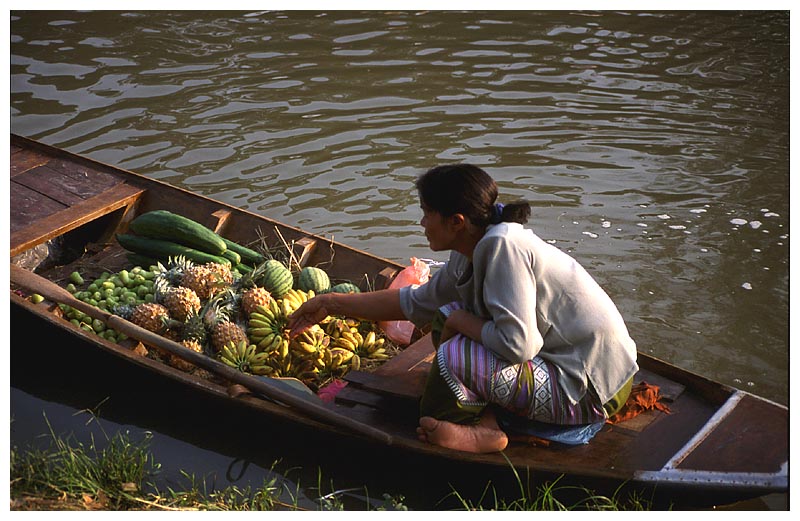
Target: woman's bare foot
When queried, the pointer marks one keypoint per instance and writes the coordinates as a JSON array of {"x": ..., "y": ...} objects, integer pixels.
[{"x": 486, "y": 436}]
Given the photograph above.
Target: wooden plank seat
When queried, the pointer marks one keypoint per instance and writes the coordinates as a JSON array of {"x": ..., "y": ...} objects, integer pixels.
[
  {"x": 52, "y": 195},
  {"x": 68, "y": 218}
]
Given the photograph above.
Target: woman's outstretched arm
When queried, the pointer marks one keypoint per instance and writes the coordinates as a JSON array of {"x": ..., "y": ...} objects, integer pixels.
[{"x": 370, "y": 305}]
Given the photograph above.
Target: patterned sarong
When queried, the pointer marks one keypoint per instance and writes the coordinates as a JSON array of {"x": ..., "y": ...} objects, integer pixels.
[{"x": 467, "y": 377}]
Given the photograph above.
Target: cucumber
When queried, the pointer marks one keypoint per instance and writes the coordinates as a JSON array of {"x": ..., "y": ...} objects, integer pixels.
[
  {"x": 232, "y": 256},
  {"x": 243, "y": 269},
  {"x": 161, "y": 249},
  {"x": 165, "y": 225},
  {"x": 249, "y": 256}
]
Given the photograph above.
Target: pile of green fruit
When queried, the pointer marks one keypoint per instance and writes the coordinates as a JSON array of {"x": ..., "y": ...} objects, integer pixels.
[{"x": 107, "y": 292}]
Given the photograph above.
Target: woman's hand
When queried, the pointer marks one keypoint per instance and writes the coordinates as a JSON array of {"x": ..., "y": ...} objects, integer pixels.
[
  {"x": 313, "y": 311},
  {"x": 464, "y": 322}
]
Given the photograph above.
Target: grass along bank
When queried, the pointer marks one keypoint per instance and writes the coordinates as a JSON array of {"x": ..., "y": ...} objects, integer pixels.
[{"x": 120, "y": 476}]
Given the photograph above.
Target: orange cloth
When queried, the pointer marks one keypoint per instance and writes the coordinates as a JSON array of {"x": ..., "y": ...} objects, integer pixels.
[{"x": 643, "y": 397}]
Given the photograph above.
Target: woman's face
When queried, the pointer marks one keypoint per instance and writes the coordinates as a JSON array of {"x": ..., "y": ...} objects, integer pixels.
[{"x": 437, "y": 231}]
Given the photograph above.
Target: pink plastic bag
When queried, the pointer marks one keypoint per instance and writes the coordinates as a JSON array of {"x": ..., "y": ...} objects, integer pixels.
[{"x": 400, "y": 331}]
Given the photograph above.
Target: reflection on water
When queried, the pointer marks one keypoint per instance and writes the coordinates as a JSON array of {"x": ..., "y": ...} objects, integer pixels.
[{"x": 653, "y": 146}]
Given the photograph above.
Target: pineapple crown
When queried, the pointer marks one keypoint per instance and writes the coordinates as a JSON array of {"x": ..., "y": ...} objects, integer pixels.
[
  {"x": 222, "y": 306},
  {"x": 174, "y": 270}
]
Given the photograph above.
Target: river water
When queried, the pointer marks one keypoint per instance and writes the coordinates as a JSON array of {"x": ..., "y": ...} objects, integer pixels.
[{"x": 653, "y": 146}]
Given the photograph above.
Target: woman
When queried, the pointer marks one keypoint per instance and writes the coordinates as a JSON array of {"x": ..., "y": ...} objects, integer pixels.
[{"x": 521, "y": 327}]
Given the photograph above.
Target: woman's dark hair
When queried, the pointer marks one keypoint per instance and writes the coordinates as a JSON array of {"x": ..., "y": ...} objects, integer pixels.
[{"x": 468, "y": 190}]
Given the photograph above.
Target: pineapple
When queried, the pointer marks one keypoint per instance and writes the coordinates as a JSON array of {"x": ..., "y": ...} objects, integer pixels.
[
  {"x": 224, "y": 272},
  {"x": 225, "y": 331},
  {"x": 254, "y": 297},
  {"x": 203, "y": 280},
  {"x": 150, "y": 316},
  {"x": 179, "y": 363},
  {"x": 218, "y": 318},
  {"x": 181, "y": 302}
]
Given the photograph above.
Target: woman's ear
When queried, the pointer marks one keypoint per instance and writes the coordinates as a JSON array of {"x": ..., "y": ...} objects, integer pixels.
[{"x": 457, "y": 221}]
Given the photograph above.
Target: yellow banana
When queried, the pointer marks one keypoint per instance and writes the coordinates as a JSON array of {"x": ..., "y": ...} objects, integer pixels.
[
  {"x": 285, "y": 309},
  {"x": 262, "y": 370},
  {"x": 256, "y": 324},
  {"x": 260, "y": 358},
  {"x": 351, "y": 337},
  {"x": 266, "y": 342},
  {"x": 369, "y": 341},
  {"x": 355, "y": 363},
  {"x": 344, "y": 344},
  {"x": 266, "y": 312},
  {"x": 305, "y": 346},
  {"x": 344, "y": 354},
  {"x": 227, "y": 350},
  {"x": 255, "y": 315},
  {"x": 260, "y": 331}
]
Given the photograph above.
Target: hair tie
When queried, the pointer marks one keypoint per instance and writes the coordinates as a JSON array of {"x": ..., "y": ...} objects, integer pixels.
[{"x": 497, "y": 214}]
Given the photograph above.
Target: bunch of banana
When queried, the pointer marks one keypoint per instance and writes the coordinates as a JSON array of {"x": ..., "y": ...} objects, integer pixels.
[
  {"x": 365, "y": 346},
  {"x": 295, "y": 298},
  {"x": 341, "y": 361},
  {"x": 245, "y": 358},
  {"x": 312, "y": 341},
  {"x": 373, "y": 347},
  {"x": 334, "y": 326},
  {"x": 266, "y": 326},
  {"x": 308, "y": 350},
  {"x": 335, "y": 364}
]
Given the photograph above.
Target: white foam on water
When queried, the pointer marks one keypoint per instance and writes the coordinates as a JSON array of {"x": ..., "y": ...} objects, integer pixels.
[
  {"x": 738, "y": 222},
  {"x": 747, "y": 285}
]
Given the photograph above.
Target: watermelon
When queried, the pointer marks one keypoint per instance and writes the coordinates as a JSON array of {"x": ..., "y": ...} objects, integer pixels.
[
  {"x": 313, "y": 279},
  {"x": 277, "y": 278},
  {"x": 344, "y": 287}
]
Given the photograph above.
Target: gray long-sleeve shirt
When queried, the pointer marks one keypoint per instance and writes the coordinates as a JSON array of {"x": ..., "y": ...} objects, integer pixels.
[{"x": 538, "y": 301}]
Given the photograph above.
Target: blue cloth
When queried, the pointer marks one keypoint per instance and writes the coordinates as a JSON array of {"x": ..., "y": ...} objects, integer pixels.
[{"x": 566, "y": 434}]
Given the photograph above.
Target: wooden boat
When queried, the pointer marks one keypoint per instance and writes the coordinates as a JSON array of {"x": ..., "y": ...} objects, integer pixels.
[{"x": 717, "y": 444}]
